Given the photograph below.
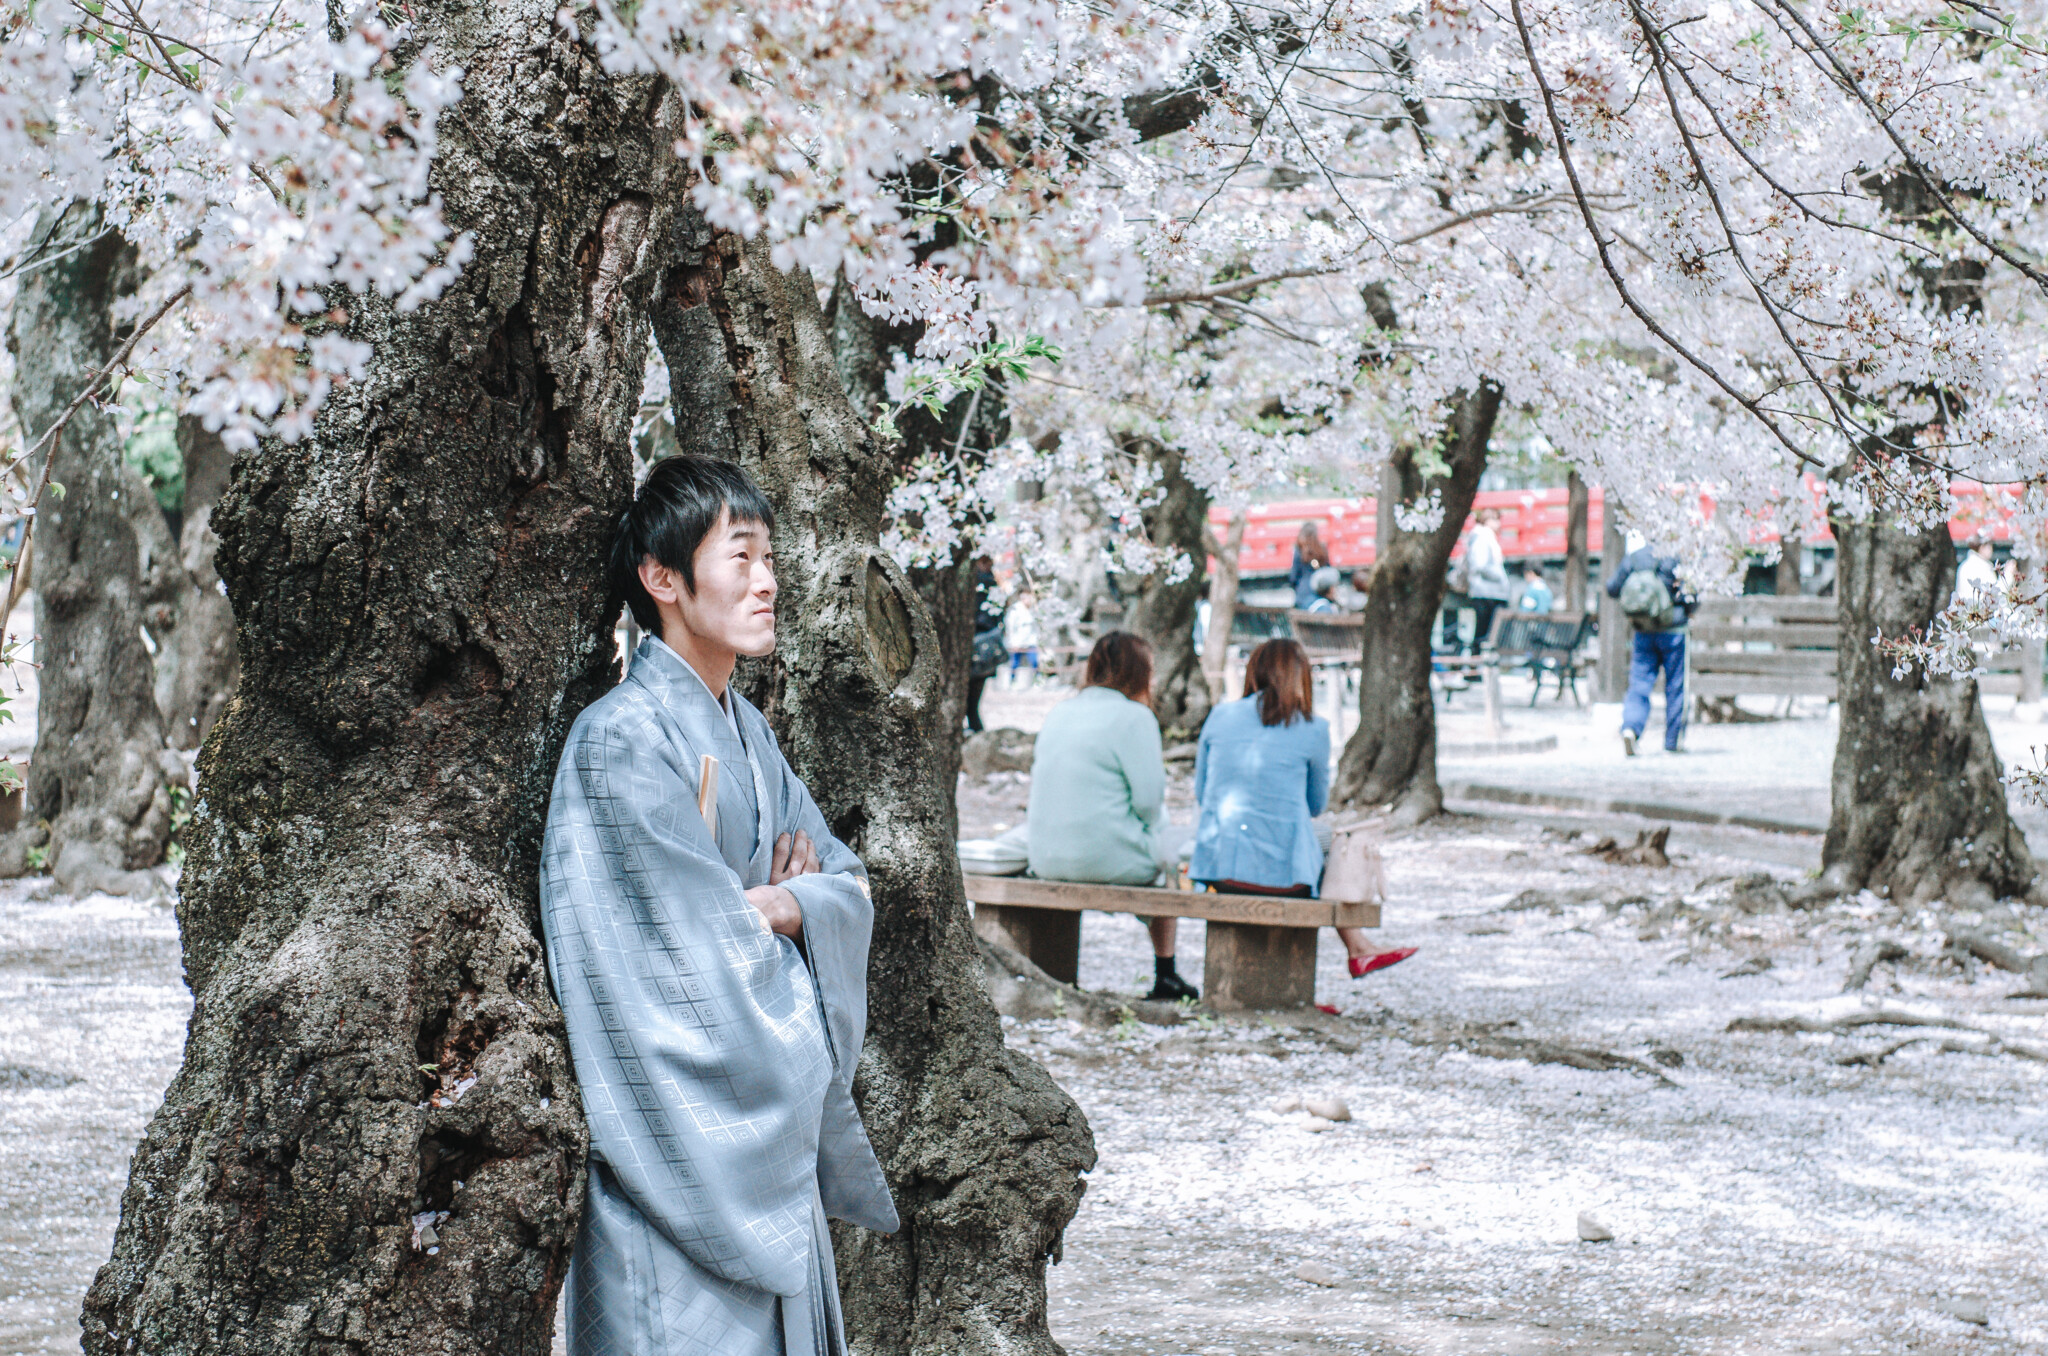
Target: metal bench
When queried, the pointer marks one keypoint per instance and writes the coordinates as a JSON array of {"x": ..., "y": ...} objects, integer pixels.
[
  {"x": 1542, "y": 642},
  {"x": 1261, "y": 950}
]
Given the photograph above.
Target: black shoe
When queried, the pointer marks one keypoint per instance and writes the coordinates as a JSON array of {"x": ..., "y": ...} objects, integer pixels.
[{"x": 1172, "y": 989}]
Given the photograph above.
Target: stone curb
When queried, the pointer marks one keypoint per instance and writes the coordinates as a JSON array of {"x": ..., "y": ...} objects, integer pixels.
[{"x": 1508, "y": 795}]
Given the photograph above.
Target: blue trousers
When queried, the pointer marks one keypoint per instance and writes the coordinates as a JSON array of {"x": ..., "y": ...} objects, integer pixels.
[{"x": 1655, "y": 650}]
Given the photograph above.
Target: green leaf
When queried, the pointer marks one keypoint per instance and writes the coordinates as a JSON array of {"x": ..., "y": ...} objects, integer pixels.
[{"x": 57, "y": 488}]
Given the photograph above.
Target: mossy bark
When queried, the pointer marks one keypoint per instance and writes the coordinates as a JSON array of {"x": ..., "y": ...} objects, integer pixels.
[
  {"x": 100, "y": 775},
  {"x": 1918, "y": 810}
]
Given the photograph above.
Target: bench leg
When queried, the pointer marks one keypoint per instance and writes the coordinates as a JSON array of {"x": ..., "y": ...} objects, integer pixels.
[
  {"x": 1250, "y": 965},
  {"x": 1048, "y": 938}
]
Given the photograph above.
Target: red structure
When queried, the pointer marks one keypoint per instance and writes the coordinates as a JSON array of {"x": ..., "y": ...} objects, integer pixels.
[{"x": 1532, "y": 524}]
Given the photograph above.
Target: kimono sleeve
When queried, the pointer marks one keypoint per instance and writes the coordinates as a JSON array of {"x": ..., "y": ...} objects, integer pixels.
[{"x": 838, "y": 921}]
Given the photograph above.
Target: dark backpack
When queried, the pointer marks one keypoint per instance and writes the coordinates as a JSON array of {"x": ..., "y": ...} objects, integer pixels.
[{"x": 1646, "y": 601}]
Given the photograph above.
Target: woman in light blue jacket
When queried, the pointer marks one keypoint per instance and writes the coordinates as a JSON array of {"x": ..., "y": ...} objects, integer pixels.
[
  {"x": 1262, "y": 773},
  {"x": 1098, "y": 790}
]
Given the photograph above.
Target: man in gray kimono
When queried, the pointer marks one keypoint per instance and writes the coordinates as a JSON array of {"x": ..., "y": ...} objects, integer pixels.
[{"x": 711, "y": 965}]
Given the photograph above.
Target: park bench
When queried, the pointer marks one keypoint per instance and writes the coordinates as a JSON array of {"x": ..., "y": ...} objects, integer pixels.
[
  {"x": 1261, "y": 950},
  {"x": 1338, "y": 636},
  {"x": 1762, "y": 644},
  {"x": 1769, "y": 645},
  {"x": 1542, "y": 642}
]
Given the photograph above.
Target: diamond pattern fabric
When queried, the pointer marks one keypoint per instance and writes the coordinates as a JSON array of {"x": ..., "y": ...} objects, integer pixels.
[{"x": 715, "y": 1058}]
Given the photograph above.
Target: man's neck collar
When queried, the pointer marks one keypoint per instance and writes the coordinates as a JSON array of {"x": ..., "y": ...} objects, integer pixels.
[
  {"x": 718, "y": 699},
  {"x": 713, "y": 667}
]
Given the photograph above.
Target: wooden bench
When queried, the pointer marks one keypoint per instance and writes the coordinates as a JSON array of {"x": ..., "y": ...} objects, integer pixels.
[
  {"x": 1329, "y": 635},
  {"x": 1764, "y": 644},
  {"x": 1761, "y": 644},
  {"x": 1261, "y": 950}
]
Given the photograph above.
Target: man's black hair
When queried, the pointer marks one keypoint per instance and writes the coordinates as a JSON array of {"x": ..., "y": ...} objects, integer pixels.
[{"x": 669, "y": 518}]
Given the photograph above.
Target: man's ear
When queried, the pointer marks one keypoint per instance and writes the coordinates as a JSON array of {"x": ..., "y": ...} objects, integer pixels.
[{"x": 663, "y": 584}]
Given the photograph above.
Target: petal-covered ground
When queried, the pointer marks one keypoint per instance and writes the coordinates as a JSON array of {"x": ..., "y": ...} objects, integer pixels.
[{"x": 1765, "y": 1197}]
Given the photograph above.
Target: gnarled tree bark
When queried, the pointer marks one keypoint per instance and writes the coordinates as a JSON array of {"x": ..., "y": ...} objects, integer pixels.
[
  {"x": 100, "y": 774},
  {"x": 983, "y": 1151},
  {"x": 422, "y": 610},
  {"x": 864, "y": 349},
  {"x": 1918, "y": 808},
  {"x": 1161, "y": 608},
  {"x": 1390, "y": 758},
  {"x": 196, "y": 663}
]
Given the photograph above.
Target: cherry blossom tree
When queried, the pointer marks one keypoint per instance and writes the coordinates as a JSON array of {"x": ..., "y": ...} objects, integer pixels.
[{"x": 406, "y": 264}]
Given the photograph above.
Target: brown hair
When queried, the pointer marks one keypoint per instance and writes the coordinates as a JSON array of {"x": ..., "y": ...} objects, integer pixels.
[
  {"x": 1279, "y": 673},
  {"x": 1123, "y": 662}
]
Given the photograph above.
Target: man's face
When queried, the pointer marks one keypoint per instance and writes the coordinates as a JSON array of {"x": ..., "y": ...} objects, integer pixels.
[{"x": 734, "y": 602}]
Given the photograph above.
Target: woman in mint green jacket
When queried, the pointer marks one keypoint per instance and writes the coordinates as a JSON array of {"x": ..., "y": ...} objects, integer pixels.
[{"x": 1098, "y": 789}]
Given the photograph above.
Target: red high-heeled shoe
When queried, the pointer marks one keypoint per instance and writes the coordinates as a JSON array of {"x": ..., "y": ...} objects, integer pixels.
[{"x": 1361, "y": 966}]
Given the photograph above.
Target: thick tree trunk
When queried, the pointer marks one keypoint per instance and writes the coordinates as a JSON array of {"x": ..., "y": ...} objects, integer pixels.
[
  {"x": 1222, "y": 605},
  {"x": 1162, "y": 609},
  {"x": 1919, "y": 808},
  {"x": 864, "y": 349},
  {"x": 100, "y": 773},
  {"x": 422, "y": 611},
  {"x": 984, "y": 1152},
  {"x": 196, "y": 664},
  {"x": 1391, "y": 756},
  {"x": 1578, "y": 509}
]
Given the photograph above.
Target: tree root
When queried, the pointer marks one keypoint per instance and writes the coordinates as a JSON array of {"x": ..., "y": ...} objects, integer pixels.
[
  {"x": 1847, "y": 1022},
  {"x": 1647, "y": 850},
  {"x": 1867, "y": 958},
  {"x": 1549, "y": 1052},
  {"x": 1965, "y": 941},
  {"x": 1018, "y": 988},
  {"x": 1486, "y": 1042},
  {"x": 1991, "y": 1043}
]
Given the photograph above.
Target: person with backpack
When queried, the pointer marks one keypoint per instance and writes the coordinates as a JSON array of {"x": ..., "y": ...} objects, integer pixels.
[{"x": 1657, "y": 610}]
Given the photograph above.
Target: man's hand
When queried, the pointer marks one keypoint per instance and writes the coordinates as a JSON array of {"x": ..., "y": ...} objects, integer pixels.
[
  {"x": 779, "y": 908},
  {"x": 796, "y": 856}
]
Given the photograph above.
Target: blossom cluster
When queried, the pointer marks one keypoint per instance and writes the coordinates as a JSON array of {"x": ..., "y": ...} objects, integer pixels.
[{"x": 265, "y": 171}]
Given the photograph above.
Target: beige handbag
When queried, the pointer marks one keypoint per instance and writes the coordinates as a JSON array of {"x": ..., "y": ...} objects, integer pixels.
[{"x": 1354, "y": 873}]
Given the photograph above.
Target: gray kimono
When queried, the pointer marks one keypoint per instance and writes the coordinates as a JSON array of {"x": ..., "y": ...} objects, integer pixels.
[{"x": 716, "y": 1058}]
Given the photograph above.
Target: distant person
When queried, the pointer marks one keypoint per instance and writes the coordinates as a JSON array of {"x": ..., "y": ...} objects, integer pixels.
[
  {"x": 1020, "y": 635},
  {"x": 987, "y": 654},
  {"x": 1262, "y": 773},
  {"x": 1323, "y": 590},
  {"x": 1098, "y": 790},
  {"x": 1310, "y": 555},
  {"x": 1657, "y": 610},
  {"x": 1536, "y": 594},
  {"x": 1361, "y": 584},
  {"x": 1486, "y": 575},
  {"x": 1976, "y": 574}
]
